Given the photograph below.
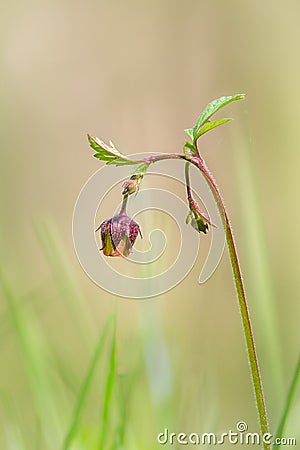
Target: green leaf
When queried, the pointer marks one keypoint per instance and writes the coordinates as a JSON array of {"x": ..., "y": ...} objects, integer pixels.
[
  {"x": 109, "y": 153},
  {"x": 189, "y": 145},
  {"x": 213, "y": 107},
  {"x": 190, "y": 132},
  {"x": 209, "y": 126}
]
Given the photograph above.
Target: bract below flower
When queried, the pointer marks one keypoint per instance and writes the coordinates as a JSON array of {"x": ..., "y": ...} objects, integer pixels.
[{"x": 118, "y": 235}]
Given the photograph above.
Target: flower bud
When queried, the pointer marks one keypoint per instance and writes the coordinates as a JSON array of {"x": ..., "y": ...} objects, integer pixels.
[
  {"x": 199, "y": 221},
  {"x": 118, "y": 235},
  {"x": 130, "y": 187}
]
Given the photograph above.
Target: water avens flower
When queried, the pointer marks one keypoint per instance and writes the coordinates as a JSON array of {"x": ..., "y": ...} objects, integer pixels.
[
  {"x": 120, "y": 232},
  {"x": 118, "y": 235}
]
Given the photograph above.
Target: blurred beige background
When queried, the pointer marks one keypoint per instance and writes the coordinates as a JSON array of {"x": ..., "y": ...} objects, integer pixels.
[{"x": 139, "y": 73}]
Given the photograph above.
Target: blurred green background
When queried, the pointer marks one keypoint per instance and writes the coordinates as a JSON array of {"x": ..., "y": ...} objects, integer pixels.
[{"x": 139, "y": 73}]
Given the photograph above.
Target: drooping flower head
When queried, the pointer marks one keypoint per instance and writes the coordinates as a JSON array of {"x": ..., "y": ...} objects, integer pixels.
[{"x": 118, "y": 235}]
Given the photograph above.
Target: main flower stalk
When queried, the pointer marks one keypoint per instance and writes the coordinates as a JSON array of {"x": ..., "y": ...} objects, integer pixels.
[
  {"x": 197, "y": 161},
  {"x": 256, "y": 378}
]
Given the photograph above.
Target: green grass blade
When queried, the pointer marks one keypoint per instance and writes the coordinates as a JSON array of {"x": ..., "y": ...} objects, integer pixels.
[
  {"x": 108, "y": 389},
  {"x": 86, "y": 384},
  {"x": 54, "y": 250},
  {"x": 31, "y": 342},
  {"x": 288, "y": 404}
]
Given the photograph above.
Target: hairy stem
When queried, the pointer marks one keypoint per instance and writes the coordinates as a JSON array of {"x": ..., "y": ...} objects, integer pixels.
[
  {"x": 256, "y": 378},
  {"x": 247, "y": 327},
  {"x": 124, "y": 204},
  {"x": 187, "y": 180}
]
